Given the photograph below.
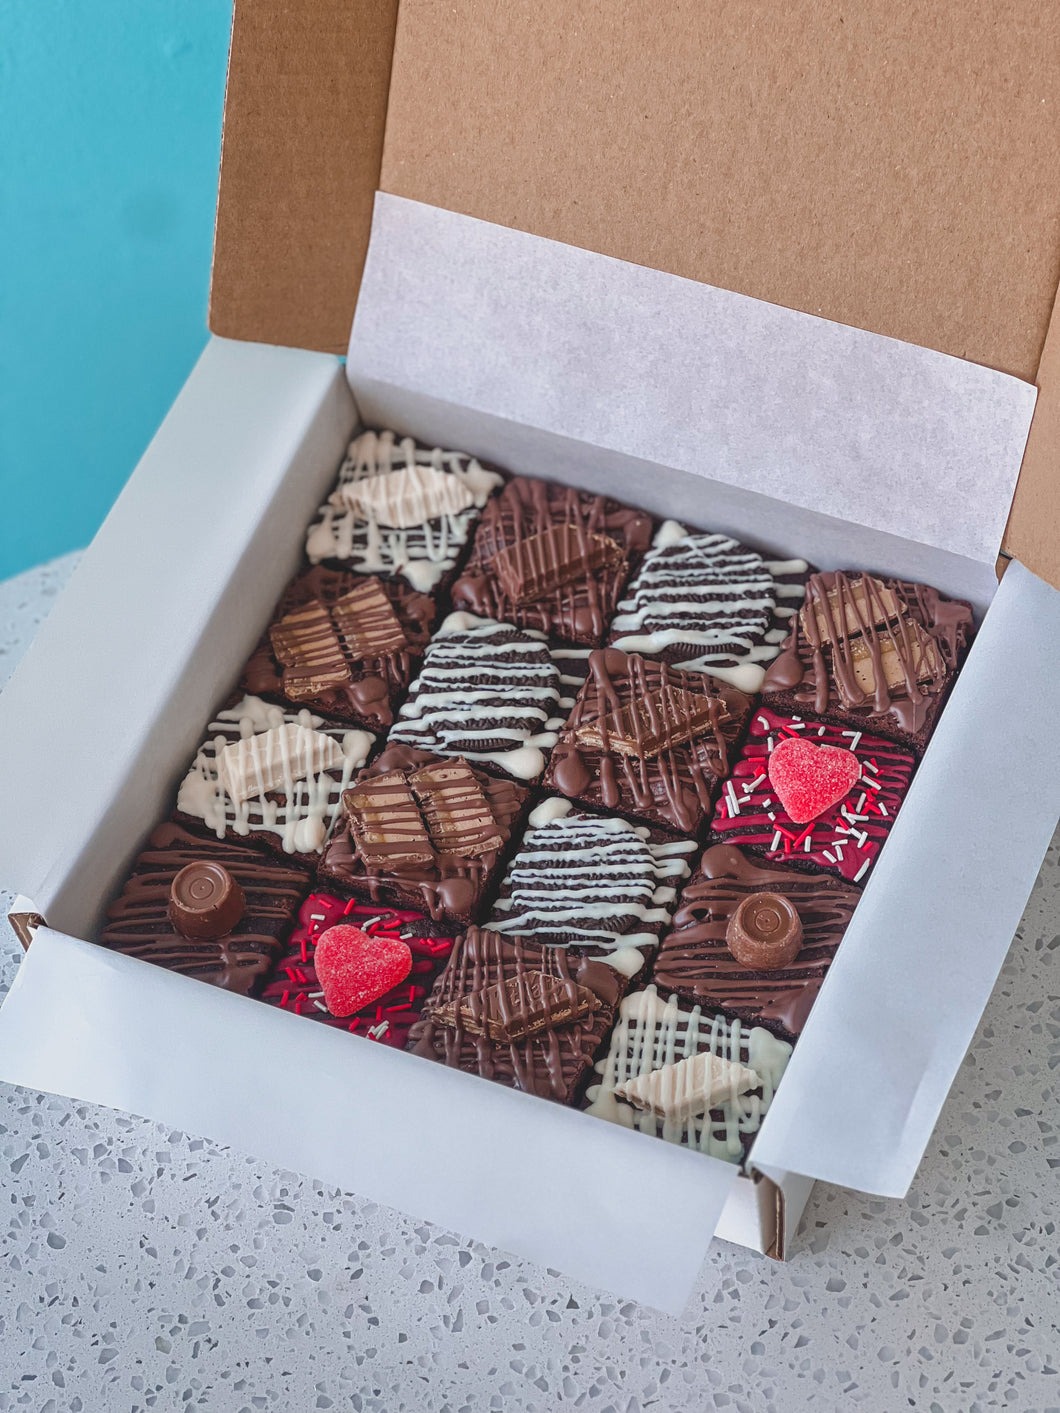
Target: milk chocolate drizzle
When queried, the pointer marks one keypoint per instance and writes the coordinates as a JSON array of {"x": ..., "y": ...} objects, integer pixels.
[
  {"x": 554, "y": 1007},
  {"x": 695, "y": 962},
  {"x": 138, "y": 923},
  {"x": 884, "y": 648},
  {"x": 549, "y": 557},
  {"x": 344, "y": 643},
  {"x": 648, "y": 739}
]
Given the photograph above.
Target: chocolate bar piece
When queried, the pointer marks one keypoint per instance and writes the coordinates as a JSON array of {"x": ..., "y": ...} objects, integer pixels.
[
  {"x": 695, "y": 962},
  {"x": 467, "y": 820},
  {"x": 597, "y": 884},
  {"x": 552, "y": 558},
  {"x": 871, "y": 653},
  {"x": 649, "y": 741},
  {"x": 345, "y": 645},
  {"x": 401, "y": 510},
  {"x": 258, "y": 897},
  {"x": 704, "y": 603},
  {"x": 652, "y": 1077},
  {"x": 271, "y": 776},
  {"x": 844, "y": 838},
  {"x": 294, "y": 985},
  {"x": 488, "y": 692},
  {"x": 526, "y": 1016}
]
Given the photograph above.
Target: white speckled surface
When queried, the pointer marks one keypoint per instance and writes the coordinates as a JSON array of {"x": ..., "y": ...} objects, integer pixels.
[{"x": 143, "y": 1269}]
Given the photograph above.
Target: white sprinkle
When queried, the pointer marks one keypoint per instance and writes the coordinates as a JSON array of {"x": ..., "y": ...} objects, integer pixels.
[
  {"x": 320, "y": 1005},
  {"x": 827, "y": 853},
  {"x": 862, "y": 870},
  {"x": 808, "y": 845},
  {"x": 768, "y": 800},
  {"x": 796, "y": 724},
  {"x": 761, "y": 721},
  {"x": 316, "y": 917},
  {"x": 776, "y": 841},
  {"x": 769, "y": 744},
  {"x": 855, "y": 738},
  {"x": 821, "y": 730},
  {"x": 756, "y": 781},
  {"x": 770, "y": 814},
  {"x": 378, "y": 1031},
  {"x": 861, "y": 803},
  {"x": 883, "y": 810},
  {"x": 863, "y": 839},
  {"x": 734, "y": 808},
  {"x": 796, "y": 718}
]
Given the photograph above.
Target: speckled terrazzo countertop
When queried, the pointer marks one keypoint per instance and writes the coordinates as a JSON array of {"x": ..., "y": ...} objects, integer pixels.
[{"x": 145, "y": 1269}]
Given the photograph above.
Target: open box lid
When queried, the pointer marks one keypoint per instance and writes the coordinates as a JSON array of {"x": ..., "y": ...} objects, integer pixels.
[{"x": 887, "y": 166}]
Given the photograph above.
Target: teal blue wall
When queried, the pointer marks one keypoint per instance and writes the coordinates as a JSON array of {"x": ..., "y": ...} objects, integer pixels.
[{"x": 110, "y": 125}]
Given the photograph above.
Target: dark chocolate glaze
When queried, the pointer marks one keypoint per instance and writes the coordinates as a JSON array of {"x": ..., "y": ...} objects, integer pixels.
[
  {"x": 926, "y": 639},
  {"x": 372, "y": 682},
  {"x": 694, "y": 962},
  {"x": 553, "y": 1062},
  {"x": 451, "y": 884},
  {"x": 659, "y": 740},
  {"x": 576, "y": 581},
  {"x": 138, "y": 923},
  {"x": 294, "y": 985}
]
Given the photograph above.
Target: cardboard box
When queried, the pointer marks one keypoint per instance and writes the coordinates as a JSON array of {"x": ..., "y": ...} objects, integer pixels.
[{"x": 558, "y": 359}]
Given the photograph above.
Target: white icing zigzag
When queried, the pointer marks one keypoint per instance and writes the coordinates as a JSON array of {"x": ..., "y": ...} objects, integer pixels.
[
  {"x": 706, "y": 591},
  {"x": 482, "y": 683},
  {"x": 254, "y": 748},
  {"x": 591, "y": 881},
  {"x": 652, "y": 1033},
  {"x": 400, "y": 509}
]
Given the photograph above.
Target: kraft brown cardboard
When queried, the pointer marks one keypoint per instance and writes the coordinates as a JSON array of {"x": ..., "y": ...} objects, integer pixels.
[{"x": 887, "y": 165}]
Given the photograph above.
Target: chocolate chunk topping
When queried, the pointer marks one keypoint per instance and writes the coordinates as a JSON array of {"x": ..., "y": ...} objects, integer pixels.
[
  {"x": 654, "y": 722},
  {"x": 306, "y": 644},
  {"x": 205, "y": 901},
  {"x": 454, "y": 809},
  {"x": 366, "y": 621},
  {"x": 516, "y": 1008},
  {"x": 386, "y": 823},
  {"x": 765, "y": 932},
  {"x": 561, "y": 554}
]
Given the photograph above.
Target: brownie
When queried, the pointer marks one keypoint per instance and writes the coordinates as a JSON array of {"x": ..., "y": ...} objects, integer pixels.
[
  {"x": 695, "y": 963},
  {"x": 344, "y": 645},
  {"x": 651, "y": 1079},
  {"x": 705, "y": 603},
  {"x": 488, "y": 692},
  {"x": 875, "y": 654},
  {"x": 272, "y": 776},
  {"x": 526, "y": 1016},
  {"x": 843, "y": 838},
  {"x": 424, "y": 832},
  {"x": 294, "y": 985},
  {"x": 649, "y": 741},
  {"x": 596, "y": 883},
  {"x": 249, "y": 927},
  {"x": 401, "y": 510},
  {"x": 549, "y": 557}
]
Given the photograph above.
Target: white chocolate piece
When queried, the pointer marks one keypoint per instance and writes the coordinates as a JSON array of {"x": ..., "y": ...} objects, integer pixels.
[
  {"x": 406, "y": 497},
  {"x": 254, "y": 765},
  {"x": 689, "y": 1087}
]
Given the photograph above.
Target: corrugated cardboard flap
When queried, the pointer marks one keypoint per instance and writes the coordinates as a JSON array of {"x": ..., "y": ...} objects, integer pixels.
[{"x": 889, "y": 166}]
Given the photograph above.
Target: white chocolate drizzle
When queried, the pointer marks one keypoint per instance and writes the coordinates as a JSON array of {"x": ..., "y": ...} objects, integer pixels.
[
  {"x": 399, "y": 508},
  {"x": 652, "y": 1034},
  {"x": 705, "y": 591},
  {"x": 584, "y": 880},
  {"x": 254, "y": 750},
  {"x": 486, "y": 691}
]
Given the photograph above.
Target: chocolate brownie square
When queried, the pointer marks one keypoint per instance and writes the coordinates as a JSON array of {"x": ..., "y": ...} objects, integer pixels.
[
  {"x": 209, "y": 908},
  {"x": 549, "y": 557},
  {"x": 648, "y": 741},
  {"x": 848, "y": 795},
  {"x": 530, "y": 1017},
  {"x": 424, "y": 832},
  {"x": 733, "y": 894},
  {"x": 343, "y": 645},
  {"x": 295, "y": 986},
  {"x": 272, "y": 776},
  {"x": 401, "y": 510},
  {"x": 705, "y": 603},
  {"x": 489, "y": 692},
  {"x": 688, "y": 1077},
  {"x": 596, "y": 883},
  {"x": 876, "y": 654}
]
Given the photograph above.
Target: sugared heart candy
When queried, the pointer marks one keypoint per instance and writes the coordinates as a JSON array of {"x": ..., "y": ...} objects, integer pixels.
[
  {"x": 810, "y": 779},
  {"x": 355, "y": 969}
]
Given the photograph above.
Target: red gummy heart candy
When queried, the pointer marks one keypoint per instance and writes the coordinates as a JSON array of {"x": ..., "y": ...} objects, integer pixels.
[
  {"x": 355, "y": 969},
  {"x": 810, "y": 779}
]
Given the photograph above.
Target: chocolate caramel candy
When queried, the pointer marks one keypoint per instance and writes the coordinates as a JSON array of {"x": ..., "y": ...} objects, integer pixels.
[
  {"x": 764, "y": 933},
  {"x": 205, "y": 901}
]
